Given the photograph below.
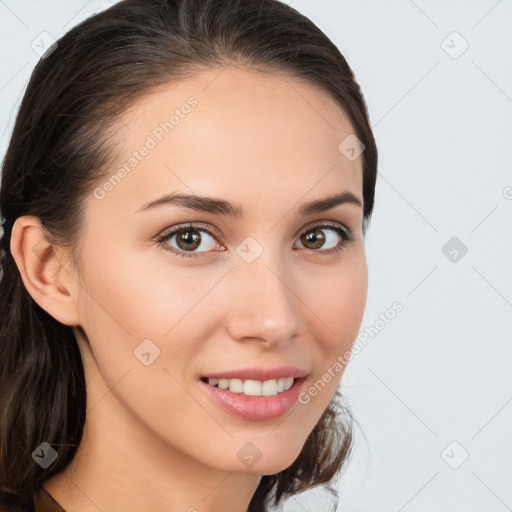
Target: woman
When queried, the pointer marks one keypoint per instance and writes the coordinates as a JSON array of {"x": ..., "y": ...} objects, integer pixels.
[{"x": 185, "y": 194}]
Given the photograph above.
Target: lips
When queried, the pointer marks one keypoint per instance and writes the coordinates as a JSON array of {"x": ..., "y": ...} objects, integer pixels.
[{"x": 254, "y": 408}]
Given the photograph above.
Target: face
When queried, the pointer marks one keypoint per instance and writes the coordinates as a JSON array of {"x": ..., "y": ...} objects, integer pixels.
[{"x": 173, "y": 292}]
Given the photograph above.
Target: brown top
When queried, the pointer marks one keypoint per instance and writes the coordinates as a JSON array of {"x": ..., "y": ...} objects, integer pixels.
[{"x": 44, "y": 502}]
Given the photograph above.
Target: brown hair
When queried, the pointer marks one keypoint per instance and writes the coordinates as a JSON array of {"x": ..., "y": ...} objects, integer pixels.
[{"x": 58, "y": 152}]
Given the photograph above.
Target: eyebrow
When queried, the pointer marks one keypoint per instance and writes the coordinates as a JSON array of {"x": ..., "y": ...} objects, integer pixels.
[{"x": 222, "y": 207}]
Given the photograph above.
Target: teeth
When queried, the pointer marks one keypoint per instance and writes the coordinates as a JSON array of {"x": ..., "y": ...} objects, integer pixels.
[
  {"x": 254, "y": 387},
  {"x": 269, "y": 388},
  {"x": 236, "y": 385}
]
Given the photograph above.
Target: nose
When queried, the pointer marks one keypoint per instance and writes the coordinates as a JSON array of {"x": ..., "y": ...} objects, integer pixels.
[{"x": 263, "y": 304}]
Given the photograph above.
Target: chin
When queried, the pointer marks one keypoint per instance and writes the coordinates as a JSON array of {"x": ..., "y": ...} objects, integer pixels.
[{"x": 266, "y": 459}]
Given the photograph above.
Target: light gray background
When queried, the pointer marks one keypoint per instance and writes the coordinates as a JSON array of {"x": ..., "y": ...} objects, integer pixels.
[{"x": 433, "y": 385}]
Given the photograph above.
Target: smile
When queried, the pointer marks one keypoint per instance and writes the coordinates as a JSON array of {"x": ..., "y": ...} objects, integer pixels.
[
  {"x": 253, "y": 387},
  {"x": 251, "y": 399}
]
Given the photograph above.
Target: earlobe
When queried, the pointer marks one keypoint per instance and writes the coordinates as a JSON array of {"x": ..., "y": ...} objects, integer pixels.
[{"x": 45, "y": 276}]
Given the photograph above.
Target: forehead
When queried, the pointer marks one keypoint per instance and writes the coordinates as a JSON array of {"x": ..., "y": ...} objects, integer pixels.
[{"x": 234, "y": 133}]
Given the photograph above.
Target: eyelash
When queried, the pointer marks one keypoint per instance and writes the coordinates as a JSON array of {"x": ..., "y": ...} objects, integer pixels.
[{"x": 345, "y": 233}]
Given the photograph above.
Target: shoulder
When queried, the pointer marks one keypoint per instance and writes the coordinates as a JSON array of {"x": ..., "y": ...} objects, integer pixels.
[{"x": 44, "y": 502}]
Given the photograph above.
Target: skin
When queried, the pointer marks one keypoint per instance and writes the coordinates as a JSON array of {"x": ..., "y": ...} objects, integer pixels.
[{"x": 153, "y": 440}]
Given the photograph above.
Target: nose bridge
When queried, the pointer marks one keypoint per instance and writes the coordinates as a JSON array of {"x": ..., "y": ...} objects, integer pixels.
[{"x": 264, "y": 305}]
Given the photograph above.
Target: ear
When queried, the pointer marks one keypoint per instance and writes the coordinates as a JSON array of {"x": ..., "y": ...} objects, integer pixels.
[{"x": 46, "y": 270}]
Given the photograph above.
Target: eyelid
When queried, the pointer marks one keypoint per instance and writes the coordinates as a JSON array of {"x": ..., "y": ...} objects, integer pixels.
[
  {"x": 324, "y": 224},
  {"x": 211, "y": 230}
]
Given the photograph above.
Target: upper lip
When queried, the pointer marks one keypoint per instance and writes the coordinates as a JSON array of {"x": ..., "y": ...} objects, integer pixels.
[{"x": 259, "y": 373}]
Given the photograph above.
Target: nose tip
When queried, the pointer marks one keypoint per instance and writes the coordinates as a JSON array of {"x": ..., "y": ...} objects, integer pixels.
[{"x": 263, "y": 307}]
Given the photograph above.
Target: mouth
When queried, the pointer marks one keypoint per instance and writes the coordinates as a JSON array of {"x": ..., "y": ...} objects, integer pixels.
[
  {"x": 250, "y": 387},
  {"x": 253, "y": 400}
]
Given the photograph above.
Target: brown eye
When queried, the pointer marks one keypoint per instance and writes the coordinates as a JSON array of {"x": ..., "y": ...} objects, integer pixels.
[
  {"x": 189, "y": 241},
  {"x": 313, "y": 239},
  {"x": 325, "y": 237}
]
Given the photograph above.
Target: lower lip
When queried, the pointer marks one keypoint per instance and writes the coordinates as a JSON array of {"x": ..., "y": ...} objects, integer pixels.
[{"x": 255, "y": 408}]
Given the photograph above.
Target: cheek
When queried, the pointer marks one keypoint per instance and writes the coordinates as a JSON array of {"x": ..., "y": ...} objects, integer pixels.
[
  {"x": 127, "y": 304},
  {"x": 136, "y": 300},
  {"x": 339, "y": 307},
  {"x": 340, "y": 302},
  {"x": 142, "y": 299}
]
